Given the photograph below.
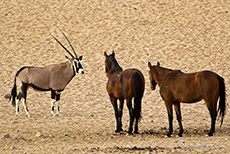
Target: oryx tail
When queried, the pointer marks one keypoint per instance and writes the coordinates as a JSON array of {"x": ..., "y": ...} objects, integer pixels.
[{"x": 13, "y": 94}]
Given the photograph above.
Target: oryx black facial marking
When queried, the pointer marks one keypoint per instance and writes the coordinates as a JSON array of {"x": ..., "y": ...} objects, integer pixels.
[{"x": 52, "y": 78}]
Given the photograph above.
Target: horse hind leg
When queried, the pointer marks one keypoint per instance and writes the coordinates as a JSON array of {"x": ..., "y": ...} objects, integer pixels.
[
  {"x": 213, "y": 114},
  {"x": 137, "y": 112},
  {"x": 131, "y": 115}
]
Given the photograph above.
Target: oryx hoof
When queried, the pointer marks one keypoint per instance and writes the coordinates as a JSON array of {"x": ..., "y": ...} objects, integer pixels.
[
  {"x": 129, "y": 133},
  {"x": 28, "y": 115},
  {"x": 166, "y": 136},
  {"x": 208, "y": 135}
]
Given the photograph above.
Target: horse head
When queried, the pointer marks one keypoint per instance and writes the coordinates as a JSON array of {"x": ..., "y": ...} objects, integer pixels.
[
  {"x": 111, "y": 64},
  {"x": 152, "y": 75}
]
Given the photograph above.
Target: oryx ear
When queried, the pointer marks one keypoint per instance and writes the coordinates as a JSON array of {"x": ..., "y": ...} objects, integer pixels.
[
  {"x": 105, "y": 54},
  {"x": 80, "y": 58},
  {"x": 113, "y": 54},
  {"x": 149, "y": 65},
  {"x": 158, "y": 63},
  {"x": 67, "y": 58}
]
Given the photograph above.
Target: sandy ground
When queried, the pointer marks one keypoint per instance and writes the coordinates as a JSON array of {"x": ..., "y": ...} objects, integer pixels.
[{"x": 186, "y": 35}]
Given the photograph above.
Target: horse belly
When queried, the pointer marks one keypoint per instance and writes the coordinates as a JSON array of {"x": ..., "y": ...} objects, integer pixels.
[{"x": 190, "y": 96}]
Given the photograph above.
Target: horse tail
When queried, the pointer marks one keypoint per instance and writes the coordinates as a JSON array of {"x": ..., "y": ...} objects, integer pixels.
[
  {"x": 138, "y": 93},
  {"x": 222, "y": 100}
]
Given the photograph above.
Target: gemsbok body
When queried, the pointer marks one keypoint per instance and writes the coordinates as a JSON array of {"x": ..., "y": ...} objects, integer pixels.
[
  {"x": 177, "y": 87},
  {"x": 52, "y": 78}
]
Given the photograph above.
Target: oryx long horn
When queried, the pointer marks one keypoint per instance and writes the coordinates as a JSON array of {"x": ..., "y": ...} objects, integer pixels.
[
  {"x": 63, "y": 47},
  {"x": 70, "y": 44}
]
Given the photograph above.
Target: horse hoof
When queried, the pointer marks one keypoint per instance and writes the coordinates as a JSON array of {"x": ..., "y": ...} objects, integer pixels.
[
  {"x": 117, "y": 131},
  {"x": 209, "y": 134}
]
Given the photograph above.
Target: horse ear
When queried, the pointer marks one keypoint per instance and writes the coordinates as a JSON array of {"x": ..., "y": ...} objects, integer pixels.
[
  {"x": 158, "y": 63},
  {"x": 113, "y": 54},
  {"x": 149, "y": 64},
  {"x": 105, "y": 54}
]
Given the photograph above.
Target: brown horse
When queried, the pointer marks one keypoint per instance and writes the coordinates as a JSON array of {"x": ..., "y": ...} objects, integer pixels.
[
  {"x": 124, "y": 85},
  {"x": 176, "y": 86}
]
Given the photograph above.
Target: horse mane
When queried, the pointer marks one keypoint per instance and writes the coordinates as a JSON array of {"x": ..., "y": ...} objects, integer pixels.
[
  {"x": 115, "y": 63},
  {"x": 168, "y": 69}
]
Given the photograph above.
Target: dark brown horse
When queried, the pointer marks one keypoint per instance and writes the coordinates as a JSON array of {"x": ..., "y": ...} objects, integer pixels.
[
  {"x": 176, "y": 86},
  {"x": 124, "y": 85}
]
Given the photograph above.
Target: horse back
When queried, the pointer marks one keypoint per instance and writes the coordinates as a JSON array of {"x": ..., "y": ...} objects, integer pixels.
[
  {"x": 189, "y": 87},
  {"x": 124, "y": 84},
  {"x": 132, "y": 83}
]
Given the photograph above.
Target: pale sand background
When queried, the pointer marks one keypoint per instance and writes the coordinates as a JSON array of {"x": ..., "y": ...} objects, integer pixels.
[{"x": 191, "y": 35}]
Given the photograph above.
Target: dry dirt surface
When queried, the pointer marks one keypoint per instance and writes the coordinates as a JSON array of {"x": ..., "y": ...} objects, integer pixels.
[{"x": 190, "y": 35}]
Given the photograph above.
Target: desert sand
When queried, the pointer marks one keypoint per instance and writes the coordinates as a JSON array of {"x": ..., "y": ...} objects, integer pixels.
[{"x": 190, "y": 35}]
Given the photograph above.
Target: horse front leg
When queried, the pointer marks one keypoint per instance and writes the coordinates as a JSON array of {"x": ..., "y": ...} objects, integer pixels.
[
  {"x": 114, "y": 103},
  {"x": 120, "y": 112},
  {"x": 178, "y": 114},
  {"x": 170, "y": 118}
]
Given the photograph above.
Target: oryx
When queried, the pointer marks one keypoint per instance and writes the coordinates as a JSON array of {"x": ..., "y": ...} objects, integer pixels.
[{"x": 52, "y": 78}]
